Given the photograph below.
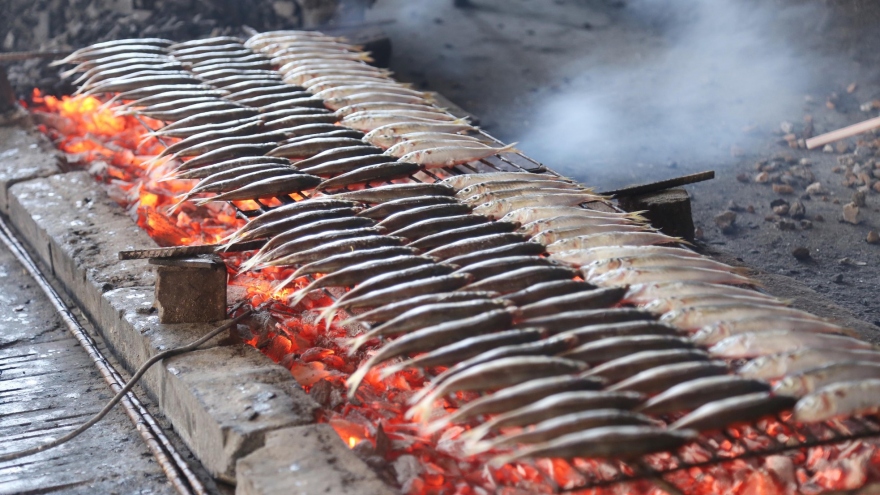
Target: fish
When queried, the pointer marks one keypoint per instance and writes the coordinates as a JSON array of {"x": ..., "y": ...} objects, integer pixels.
[
  {"x": 598, "y": 268},
  {"x": 311, "y": 147},
  {"x": 528, "y": 214},
  {"x": 136, "y": 94},
  {"x": 99, "y": 73},
  {"x": 774, "y": 366},
  {"x": 580, "y": 318},
  {"x": 694, "y": 393},
  {"x": 593, "y": 333},
  {"x": 263, "y": 88},
  {"x": 388, "y": 141},
  {"x": 568, "y": 423},
  {"x": 555, "y": 406},
  {"x": 398, "y": 292},
  {"x": 205, "y": 42},
  {"x": 501, "y": 251},
  {"x": 460, "y": 182},
  {"x": 533, "y": 190},
  {"x": 371, "y": 97},
  {"x": 499, "y": 374},
  {"x": 305, "y": 130},
  {"x": 215, "y": 117},
  {"x": 169, "y": 96},
  {"x": 624, "y": 367},
  {"x": 738, "y": 410},
  {"x": 414, "y": 210},
  {"x": 89, "y": 68},
  {"x": 716, "y": 332},
  {"x": 359, "y": 89},
  {"x": 216, "y": 65},
  {"x": 291, "y": 216},
  {"x": 211, "y": 57},
  {"x": 252, "y": 84},
  {"x": 204, "y": 137},
  {"x": 395, "y": 309},
  {"x": 439, "y": 232},
  {"x": 647, "y": 293},
  {"x": 430, "y": 226},
  {"x": 368, "y": 122},
  {"x": 582, "y": 300},
  {"x": 339, "y": 153},
  {"x": 501, "y": 207},
  {"x": 92, "y": 53},
  {"x": 427, "y": 315},
  {"x": 661, "y": 274},
  {"x": 467, "y": 348},
  {"x": 206, "y": 105},
  {"x": 344, "y": 165},
  {"x": 808, "y": 381},
  {"x": 429, "y": 338},
  {"x": 755, "y": 344},
  {"x": 122, "y": 44},
  {"x": 453, "y": 127},
  {"x": 294, "y": 103},
  {"x": 385, "y": 106},
  {"x": 223, "y": 47},
  {"x": 228, "y": 166},
  {"x": 233, "y": 179},
  {"x": 449, "y": 156},
  {"x": 612, "y": 239},
  {"x": 544, "y": 290},
  {"x": 364, "y": 271},
  {"x": 521, "y": 278},
  {"x": 499, "y": 266},
  {"x": 474, "y": 244},
  {"x": 661, "y": 306},
  {"x": 225, "y": 72},
  {"x": 838, "y": 400},
  {"x": 412, "y": 145},
  {"x": 226, "y": 153},
  {"x": 185, "y": 132},
  {"x": 494, "y": 186},
  {"x": 225, "y": 81},
  {"x": 281, "y": 255},
  {"x": 385, "y": 280},
  {"x": 626, "y": 442},
  {"x": 569, "y": 224},
  {"x": 341, "y": 246},
  {"x": 657, "y": 379},
  {"x": 298, "y": 233},
  {"x": 610, "y": 348},
  {"x": 343, "y": 260},
  {"x": 267, "y": 188},
  {"x": 698, "y": 317},
  {"x": 211, "y": 145},
  {"x": 554, "y": 235},
  {"x": 277, "y": 101},
  {"x": 370, "y": 173},
  {"x": 382, "y": 194},
  {"x": 119, "y": 85}
]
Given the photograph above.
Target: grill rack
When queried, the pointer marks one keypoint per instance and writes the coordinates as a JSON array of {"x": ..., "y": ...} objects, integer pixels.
[{"x": 654, "y": 467}]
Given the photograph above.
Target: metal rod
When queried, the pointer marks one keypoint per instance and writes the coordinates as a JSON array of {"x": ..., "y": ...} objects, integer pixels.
[
  {"x": 182, "y": 251},
  {"x": 19, "y": 56},
  {"x": 175, "y": 468},
  {"x": 660, "y": 185}
]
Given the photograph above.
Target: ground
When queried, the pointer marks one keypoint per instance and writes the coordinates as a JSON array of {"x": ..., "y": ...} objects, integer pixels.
[{"x": 623, "y": 92}]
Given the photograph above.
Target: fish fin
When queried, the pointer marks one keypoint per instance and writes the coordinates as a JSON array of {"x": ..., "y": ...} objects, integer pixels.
[{"x": 109, "y": 102}]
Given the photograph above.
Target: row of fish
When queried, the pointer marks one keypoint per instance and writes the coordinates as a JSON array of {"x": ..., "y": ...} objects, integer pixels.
[{"x": 501, "y": 278}]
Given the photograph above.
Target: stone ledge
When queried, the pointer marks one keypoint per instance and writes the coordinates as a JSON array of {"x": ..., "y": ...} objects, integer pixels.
[
  {"x": 24, "y": 155},
  {"x": 296, "y": 460}
]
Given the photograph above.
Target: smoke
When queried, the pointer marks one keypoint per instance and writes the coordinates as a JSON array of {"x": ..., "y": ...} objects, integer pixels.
[{"x": 718, "y": 74}]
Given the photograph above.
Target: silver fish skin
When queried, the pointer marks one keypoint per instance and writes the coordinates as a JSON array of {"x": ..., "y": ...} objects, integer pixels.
[
  {"x": 382, "y": 194},
  {"x": 656, "y": 380},
  {"x": 584, "y": 257},
  {"x": 405, "y": 206},
  {"x": 646, "y": 293},
  {"x": 502, "y": 251},
  {"x": 662, "y": 274},
  {"x": 402, "y": 291},
  {"x": 612, "y": 239},
  {"x": 432, "y": 337},
  {"x": 839, "y": 400},
  {"x": 499, "y": 266},
  {"x": 599, "y": 267},
  {"x": 755, "y": 344},
  {"x": 190, "y": 110},
  {"x": 246, "y": 173},
  {"x": 610, "y": 348},
  {"x": 621, "y": 368},
  {"x": 416, "y": 214},
  {"x": 282, "y": 255},
  {"x": 662, "y": 306},
  {"x": 267, "y": 188},
  {"x": 507, "y": 194},
  {"x": 130, "y": 83},
  {"x": 606, "y": 442},
  {"x": 551, "y": 236},
  {"x": 501, "y": 207},
  {"x": 363, "y": 271},
  {"x": 442, "y": 232},
  {"x": 776, "y": 366},
  {"x": 712, "y": 334},
  {"x": 460, "y": 182},
  {"x": 427, "y": 315},
  {"x": 592, "y": 333},
  {"x": 742, "y": 409},
  {"x": 339, "y": 261},
  {"x": 570, "y": 423},
  {"x": 499, "y": 374},
  {"x": 172, "y": 95},
  {"x": 806, "y": 382},
  {"x": 692, "y": 394},
  {"x": 474, "y": 244},
  {"x": 203, "y": 137},
  {"x": 530, "y": 214},
  {"x": 699, "y": 317},
  {"x": 229, "y": 165},
  {"x": 311, "y": 147},
  {"x": 379, "y": 172},
  {"x": 216, "y": 117},
  {"x": 588, "y": 220},
  {"x": 345, "y": 165},
  {"x": 299, "y": 214},
  {"x": 343, "y": 246},
  {"x": 334, "y": 134},
  {"x": 578, "y": 301},
  {"x": 395, "y": 309},
  {"x": 521, "y": 278},
  {"x": 185, "y": 132},
  {"x": 569, "y": 320},
  {"x": 544, "y": 290},
  {"x": 555, "y": 406},
  {"x": 506, "y": 185},
  {"x": 339, "y": 153},
  {"x": 336, "y": 220},
  {"x": 467, "y": 348}
]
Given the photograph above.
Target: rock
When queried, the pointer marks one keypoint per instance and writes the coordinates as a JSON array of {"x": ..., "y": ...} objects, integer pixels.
[
  {"x": 798, "y": 210},
  {"x": 762, "y": 178},
  {"x": 801, "y": 253},
  {"x": 873, "y": 237},
  {"x": 858, "y": 198},
  {"x": 726, "y": 221},
  {"x": 787, "y": 127},
  {"x": 838, "y": 169},
  {"x": 837, "y": 279},
  {"x": 876, "y": 187},
  {"x": 816, "y": 188},
  {"x": 806, "y": 224},
  {"x": 863, "y": 152},
  {"x": 786, "y": 224},
  {"x": 732, "y": 206},
  {"x": 698, "y": 233},
  {"x": 851, "y": 213},
  {"x": 743, "y": 177},
  {"x": 828, "y": 149},
  {"x": 750, "y": 209},
  {"x": 841, "y": 147},
  {"x": 819, "y": 218},
  {"x": 781, "y": 210},
  {"x": 783, "y": 189}
]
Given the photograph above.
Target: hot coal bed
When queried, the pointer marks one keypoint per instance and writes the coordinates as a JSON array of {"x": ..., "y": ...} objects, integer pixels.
[{"x": 503, "y": 330}]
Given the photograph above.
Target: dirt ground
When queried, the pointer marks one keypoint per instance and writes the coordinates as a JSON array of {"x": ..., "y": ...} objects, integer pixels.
[{"x": 623, "y": 92}]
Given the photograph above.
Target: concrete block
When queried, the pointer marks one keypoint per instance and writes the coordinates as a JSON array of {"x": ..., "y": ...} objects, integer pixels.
[
  {"x": 191, "y": 292},
  {"x": 24, "y": 155},
  {"x": 77, "y": 230},
  {"x": 669, "y": 211},
  {"x": 306, "y": 459}
]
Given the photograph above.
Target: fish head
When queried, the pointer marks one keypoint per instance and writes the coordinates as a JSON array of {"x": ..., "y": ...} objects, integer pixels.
[
  {"x": 813, "y": 408},
  {"x": 792, "y": 386},
  {"x": 710, "y": 334}
]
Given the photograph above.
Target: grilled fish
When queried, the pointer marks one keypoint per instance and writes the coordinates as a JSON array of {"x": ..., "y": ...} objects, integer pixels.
[
  {"x": 544, "y": 290},
  {"x": 775, "y": 366},
  {"x": 578, "y": 301},
  {"x": 808, "y": 381},
  {"x": 838, "y": 400},
  {"x": 395, "y": 309},
  {"x": 754, "y": 344},
  {"x": 695, "y": 393},
  {"x": 655, "y": 380},
  {"x": 501, "y": 251},
  {"x": 742, "y": 409},
  {"x": 618, "y": 369},
  {"x": 410, "y": 207}
]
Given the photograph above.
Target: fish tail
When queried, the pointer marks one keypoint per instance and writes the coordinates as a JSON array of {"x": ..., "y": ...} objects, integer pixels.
[
  {"x": 421, "y": 394},
  {"x": 390, "y": 370},
  {"x": 252, "y": 263},
  {"x": 357, "y": 342},
  {"x": 301, "y": 294},
  {"x": 365, "y": 56},
  {"x": 175, "y": 206},
  {"x": 435, "y": 426},
  {"x": 476, "y": 434},
  {"x": 510, "y": 148},
  {"x": 504, "y": 459},
  {"x": 740, "y": 270},
  {"x": 422, "y": 409},
  {"x": 354, "y": 381},
  {"x": 66, "y": 60},
  {"x": 68, "y": 73},
  {"x": 461, "y": 121},
  {"x": 109, "y": 102},
  {"x": 478, "y": 447}
]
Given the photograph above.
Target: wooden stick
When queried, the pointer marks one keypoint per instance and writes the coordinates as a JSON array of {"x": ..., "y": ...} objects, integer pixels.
[{"x": 849, "y": 131}]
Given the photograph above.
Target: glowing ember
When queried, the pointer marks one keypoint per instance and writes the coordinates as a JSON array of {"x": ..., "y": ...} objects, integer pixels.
[{"x": 114, "y": 150}]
